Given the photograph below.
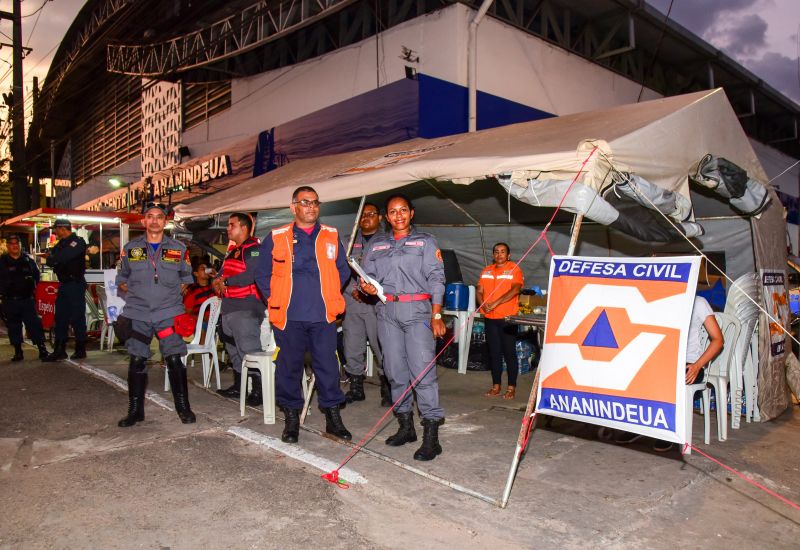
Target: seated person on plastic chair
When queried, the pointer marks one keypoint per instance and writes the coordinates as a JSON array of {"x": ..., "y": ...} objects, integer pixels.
[
  {"x": 697, "y": 358},
  {"x": 193, "y": 297}
]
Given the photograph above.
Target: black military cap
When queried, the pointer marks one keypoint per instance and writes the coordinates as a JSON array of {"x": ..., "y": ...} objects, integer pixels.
[{"x": 63, "y": 222}]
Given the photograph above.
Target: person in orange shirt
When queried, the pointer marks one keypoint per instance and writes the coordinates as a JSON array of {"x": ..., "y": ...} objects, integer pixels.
[{"x": 500, "y": 285}]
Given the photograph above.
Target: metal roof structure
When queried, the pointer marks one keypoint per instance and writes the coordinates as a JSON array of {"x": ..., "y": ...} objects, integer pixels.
[{"x": 212, "y": 40}]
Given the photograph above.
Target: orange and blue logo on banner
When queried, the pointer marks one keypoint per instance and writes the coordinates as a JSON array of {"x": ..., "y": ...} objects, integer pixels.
[{"x": 615, "y": 342}]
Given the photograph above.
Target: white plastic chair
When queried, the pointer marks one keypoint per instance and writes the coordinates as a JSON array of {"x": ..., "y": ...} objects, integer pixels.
[
  {"x": 207, "y": 349},
  {"x": 262, "y": 361},
  {"x": 101, "y": 297},
  {"x": 370, "y": 361},
  {"x": 744, "y": 373},
  {"x": 751, "y": 380},
  {"x": 691, "y": 390},
  {"x": 94, "y": 316},
  {"x": 720, "y": 368}
]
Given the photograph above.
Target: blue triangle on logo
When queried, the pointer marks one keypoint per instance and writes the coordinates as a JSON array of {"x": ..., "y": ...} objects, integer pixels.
[{"x": 601, "y": 335}]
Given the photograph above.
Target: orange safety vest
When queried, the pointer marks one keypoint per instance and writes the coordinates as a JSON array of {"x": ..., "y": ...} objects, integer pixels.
[{"x": 280, "y": 285}]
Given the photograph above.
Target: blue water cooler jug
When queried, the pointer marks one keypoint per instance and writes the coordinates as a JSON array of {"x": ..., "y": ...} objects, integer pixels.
[{"x": 456, "y": 297}]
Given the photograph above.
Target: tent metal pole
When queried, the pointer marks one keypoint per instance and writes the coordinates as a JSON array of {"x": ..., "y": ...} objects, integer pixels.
[
  {"x": 512, "y": 472},
  {"x": 576, "y": 230},
  {"x": 467, "y": 214},
  {"x": 483, "y": 246},
  {"x": 355, "y": 225}
]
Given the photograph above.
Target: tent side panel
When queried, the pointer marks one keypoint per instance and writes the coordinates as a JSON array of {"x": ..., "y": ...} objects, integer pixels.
[{"x": 768, "y": 241}]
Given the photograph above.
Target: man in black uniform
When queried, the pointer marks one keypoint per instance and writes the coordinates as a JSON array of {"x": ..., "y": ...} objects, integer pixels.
[
  {"x": 18, "y": 278},
  {"x": 68, "y": 260}
]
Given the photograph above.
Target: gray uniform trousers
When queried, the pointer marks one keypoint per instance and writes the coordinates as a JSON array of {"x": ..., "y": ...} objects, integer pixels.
[
  {"x": 359, "y": 326},
  {"x": 171, "y": 345},
  {"x": 408, "y": 348},
  {"x": 245, "y": 328}
]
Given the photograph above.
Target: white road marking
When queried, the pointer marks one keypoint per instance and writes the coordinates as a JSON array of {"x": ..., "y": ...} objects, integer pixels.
[
  {"x": 115, "y": 380},
  {"x": 298, "y": 453}
]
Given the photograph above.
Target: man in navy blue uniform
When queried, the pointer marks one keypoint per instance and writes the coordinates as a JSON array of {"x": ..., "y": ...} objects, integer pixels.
[
  {"x": 302, "y": 269},
  {"x": 18, "y": 278},
  {"x": 68, "y": 260}
]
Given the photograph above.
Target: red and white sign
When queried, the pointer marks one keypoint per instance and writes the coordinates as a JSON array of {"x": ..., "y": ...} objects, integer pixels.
[{"x": 46, "y": 303}]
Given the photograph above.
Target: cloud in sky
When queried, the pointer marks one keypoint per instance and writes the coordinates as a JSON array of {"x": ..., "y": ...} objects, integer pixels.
[{"x": 759, "y": 34}]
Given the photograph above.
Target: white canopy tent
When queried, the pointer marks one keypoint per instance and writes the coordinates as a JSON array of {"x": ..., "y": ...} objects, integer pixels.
[{"x": 660, "y": 141}]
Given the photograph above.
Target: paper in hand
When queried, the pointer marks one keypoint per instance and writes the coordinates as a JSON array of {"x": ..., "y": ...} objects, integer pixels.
[{"x": 369, "y": 280}]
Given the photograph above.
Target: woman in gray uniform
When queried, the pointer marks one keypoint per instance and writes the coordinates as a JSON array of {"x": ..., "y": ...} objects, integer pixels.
[{"x": 408, "y": 264}]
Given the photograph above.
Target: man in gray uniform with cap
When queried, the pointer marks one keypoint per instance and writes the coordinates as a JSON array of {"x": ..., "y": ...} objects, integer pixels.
[
  {"x": 360, "y": 323},
  {"x": 153, "y": 272},
  {"x": 68, "y": 260}
]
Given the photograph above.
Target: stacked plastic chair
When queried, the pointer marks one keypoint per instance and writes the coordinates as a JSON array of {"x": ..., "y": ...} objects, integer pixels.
[
  {"x": 744, "y": 367},
  {"x": 721, "y": 367}
]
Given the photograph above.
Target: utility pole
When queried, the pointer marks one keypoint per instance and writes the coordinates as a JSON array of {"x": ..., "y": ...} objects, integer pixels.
[
  {"x": 36, "y": 189},
  {"x": 19, "y": 180}
]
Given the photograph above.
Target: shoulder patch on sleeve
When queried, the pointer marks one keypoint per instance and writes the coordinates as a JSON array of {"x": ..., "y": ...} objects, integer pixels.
[{"x": 439, "y": 255}]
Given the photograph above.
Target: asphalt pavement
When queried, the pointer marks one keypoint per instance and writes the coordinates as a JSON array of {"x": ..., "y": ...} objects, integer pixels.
[{"x": 72, "y": 479}]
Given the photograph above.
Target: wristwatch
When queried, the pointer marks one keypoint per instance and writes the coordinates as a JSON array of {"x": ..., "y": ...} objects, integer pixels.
[{"x": 437, "y": 316}]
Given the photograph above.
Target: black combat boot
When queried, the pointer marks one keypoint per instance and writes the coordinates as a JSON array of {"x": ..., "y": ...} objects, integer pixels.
[
  {"x": 176, "y": 371},
  {"x": 80, "y": 351},
  {"x": 406, "y": 432},
  {"x": 334, "y": 424},
  {"x": 291, "y": 430},
  {"x": 137, "y": 385},
  {"x": 233, "y": 391},
  {"x": 254, "y": 398},
  {"x": 43, "y": 353},
  {"x": 59, "y": 352},
  {"x": 18, "y": 355},
  {"x": 430, "y": 448},
  {"x": 356, "y": 391},
  {"x": 386, "y": 392}
]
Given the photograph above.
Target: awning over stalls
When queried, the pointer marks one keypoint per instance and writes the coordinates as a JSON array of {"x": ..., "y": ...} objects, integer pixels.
[
  {"x": 660, "y": 141},
  {"x": 46, "y": 216}
]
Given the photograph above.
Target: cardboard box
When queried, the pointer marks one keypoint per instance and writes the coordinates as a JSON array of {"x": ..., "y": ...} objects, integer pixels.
[{"x": 532, "y": 300}]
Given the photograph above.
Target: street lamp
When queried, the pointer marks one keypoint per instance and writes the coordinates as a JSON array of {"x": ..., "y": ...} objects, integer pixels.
[{"x": 117, "y": 182}]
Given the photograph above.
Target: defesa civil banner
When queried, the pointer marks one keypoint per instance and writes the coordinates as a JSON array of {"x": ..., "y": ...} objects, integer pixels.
[{"x": 615, "y": 342}]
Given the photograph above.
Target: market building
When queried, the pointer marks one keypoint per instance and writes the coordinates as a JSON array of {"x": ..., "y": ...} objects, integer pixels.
[{"x": 174, "y": 100}]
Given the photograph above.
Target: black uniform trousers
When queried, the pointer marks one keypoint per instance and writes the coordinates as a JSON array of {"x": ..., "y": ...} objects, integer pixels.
[
  {"x": 501, "y": 340},
  {"x": 19, "y": 311},
  {"x": 71, "y": 310}
]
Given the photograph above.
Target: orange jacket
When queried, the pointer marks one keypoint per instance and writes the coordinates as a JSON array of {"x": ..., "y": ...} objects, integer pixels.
[
  {"x": 281, "y": 280},
  {"x": 496, "y": 282}
]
